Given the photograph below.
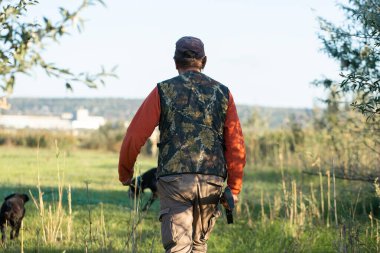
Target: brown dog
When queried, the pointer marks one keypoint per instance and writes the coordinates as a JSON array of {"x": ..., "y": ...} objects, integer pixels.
[{"x": 12, "y": 211}]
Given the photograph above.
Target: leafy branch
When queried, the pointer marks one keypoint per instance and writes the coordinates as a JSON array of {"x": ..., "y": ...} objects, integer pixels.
[
  {"x": 356, "y": 45},
  {"x": 21, "y": 44}
]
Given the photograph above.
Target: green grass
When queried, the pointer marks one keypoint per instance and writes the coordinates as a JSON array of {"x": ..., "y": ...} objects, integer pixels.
[{"x": 19, "y": 168}]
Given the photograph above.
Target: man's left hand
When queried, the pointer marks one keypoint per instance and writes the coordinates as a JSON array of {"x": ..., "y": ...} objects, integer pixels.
[{"x": 127, "y": 183}]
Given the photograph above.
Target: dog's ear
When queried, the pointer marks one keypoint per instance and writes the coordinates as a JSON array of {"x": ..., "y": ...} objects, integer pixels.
[
  {"x": 25, "y": 197},
  {"x": 10, "y": 196}
]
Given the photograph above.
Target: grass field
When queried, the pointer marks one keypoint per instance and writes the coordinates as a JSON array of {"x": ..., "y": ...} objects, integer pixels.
[{"x": 276, "y": 213}]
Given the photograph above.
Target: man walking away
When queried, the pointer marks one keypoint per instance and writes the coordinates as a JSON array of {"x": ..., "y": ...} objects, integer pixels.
[{"x": 201, "y": 145}]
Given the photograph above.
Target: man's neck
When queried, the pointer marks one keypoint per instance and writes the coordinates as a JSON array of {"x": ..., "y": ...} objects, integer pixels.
[{"x": 181, "y": 71}]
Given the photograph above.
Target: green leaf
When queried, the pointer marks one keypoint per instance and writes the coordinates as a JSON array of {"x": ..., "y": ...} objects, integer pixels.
[
  {"x": 10, "y": 84},
  {"x": 69, "y": 87}
]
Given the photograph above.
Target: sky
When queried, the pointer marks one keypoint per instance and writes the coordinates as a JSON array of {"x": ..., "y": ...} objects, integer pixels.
[{"x": 266, "y": 52}]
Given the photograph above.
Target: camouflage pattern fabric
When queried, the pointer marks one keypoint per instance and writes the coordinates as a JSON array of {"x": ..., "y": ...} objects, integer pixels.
[{"x": 193, "y": 112}]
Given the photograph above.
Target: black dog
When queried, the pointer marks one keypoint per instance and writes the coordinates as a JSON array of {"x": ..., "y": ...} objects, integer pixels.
[
  {"x": 142, "y": 182},
  {"x": 12, "y": 211}
]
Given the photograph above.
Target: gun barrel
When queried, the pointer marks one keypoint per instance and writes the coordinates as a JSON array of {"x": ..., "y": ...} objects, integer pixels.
[
  {"x": 230, "y": 217},
  {"x": 229, "y": 205}
]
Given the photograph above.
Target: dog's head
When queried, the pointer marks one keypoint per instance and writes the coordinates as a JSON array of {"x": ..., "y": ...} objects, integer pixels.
[
  {"x": 135, "y": 187},
  {"x": 22, "y": 197}
]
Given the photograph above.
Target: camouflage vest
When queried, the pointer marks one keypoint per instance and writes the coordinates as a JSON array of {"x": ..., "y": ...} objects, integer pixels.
[{"x": 193, "y": 112}]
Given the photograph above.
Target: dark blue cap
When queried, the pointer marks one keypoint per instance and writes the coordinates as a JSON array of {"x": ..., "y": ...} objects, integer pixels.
[{"x": 189, "y": 47}]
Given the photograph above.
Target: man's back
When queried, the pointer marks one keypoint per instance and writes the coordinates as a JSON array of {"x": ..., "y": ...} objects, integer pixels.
[{"x": 193, "y": 112}]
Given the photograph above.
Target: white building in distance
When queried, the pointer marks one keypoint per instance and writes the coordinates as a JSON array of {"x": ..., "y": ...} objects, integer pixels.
[
  {"x": 85, "y": 121},
  {"x": 82, "y": 121}
]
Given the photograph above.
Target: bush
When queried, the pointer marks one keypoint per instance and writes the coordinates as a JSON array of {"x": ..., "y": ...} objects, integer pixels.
[{"x": 36, "y": 138}]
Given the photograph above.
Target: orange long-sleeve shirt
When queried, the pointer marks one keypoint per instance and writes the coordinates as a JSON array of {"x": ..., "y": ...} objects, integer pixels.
[{"x": 147, "y": 118}]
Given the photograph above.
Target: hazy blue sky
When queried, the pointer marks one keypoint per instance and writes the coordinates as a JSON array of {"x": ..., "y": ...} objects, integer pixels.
[{"x": 266, "y": 52}]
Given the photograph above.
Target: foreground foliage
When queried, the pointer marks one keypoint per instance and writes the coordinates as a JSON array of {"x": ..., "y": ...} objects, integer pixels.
[
  {"x": 22, "y": 43},
  {"x": 355, "y": 44},
  {"x": 280, "y": 210}
]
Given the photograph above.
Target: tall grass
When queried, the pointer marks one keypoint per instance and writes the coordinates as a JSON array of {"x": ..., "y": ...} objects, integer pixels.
[
  {"x": 52, "y": 217},
  {"x": 285, "y": 211},
  {"x": 299, "y": 214}
]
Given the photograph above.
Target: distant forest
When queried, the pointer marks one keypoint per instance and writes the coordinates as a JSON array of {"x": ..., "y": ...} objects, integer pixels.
[{"x": 118, "y": 109}]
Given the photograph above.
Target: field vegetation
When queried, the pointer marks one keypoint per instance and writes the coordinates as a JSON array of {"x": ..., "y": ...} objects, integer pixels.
[
  {"x": 310, "y": 184},
  {"x": 308, "y": 187}
]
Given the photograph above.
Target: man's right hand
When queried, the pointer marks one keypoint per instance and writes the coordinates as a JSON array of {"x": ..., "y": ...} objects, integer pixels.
[{"x": 236, "y": 199}]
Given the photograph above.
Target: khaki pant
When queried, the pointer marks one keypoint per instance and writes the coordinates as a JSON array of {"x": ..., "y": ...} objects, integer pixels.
[{"x": 188, "y": 211}]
